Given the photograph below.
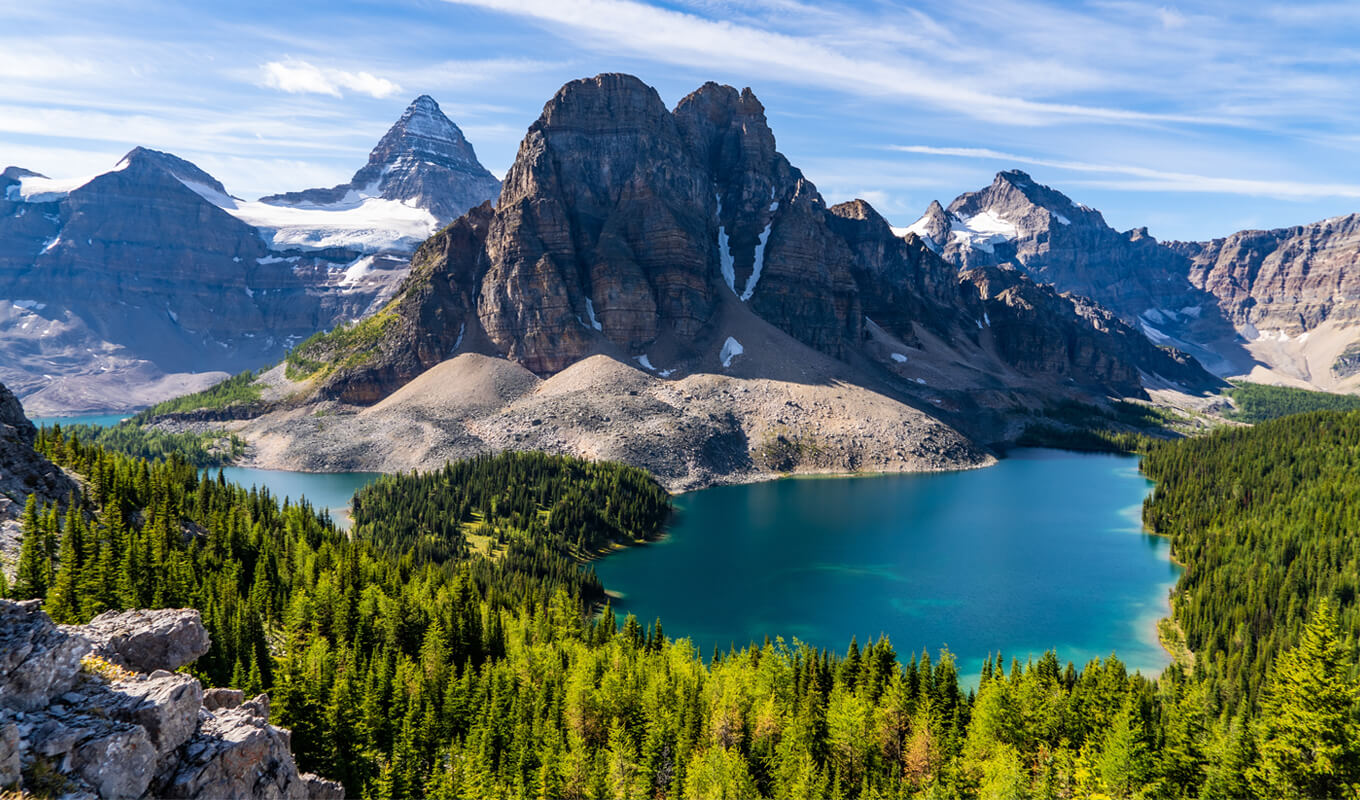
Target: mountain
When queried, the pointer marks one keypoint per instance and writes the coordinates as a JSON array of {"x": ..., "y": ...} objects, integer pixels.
[
  {"x": 678, "y": 254},
  {"x": 150, "y": 280},
  {"x": 422, "y": 161},
  {"x": 1057, "y": 241},
  {"x": 1274, "y": 305}
]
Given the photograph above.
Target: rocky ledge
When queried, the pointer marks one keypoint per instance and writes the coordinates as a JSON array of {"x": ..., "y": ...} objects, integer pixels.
[{"x": 94, "y": 710}]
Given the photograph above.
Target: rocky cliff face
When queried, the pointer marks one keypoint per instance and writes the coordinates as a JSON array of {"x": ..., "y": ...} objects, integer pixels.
[
  {"x": 1288, "y": 280},
  {"x": 112, "y": 283},
  {"x": 423, "y": 160},
  {"x": 96, "y": 711},
  {"x": 23, "y": 472},
  {"x": 658, "y": 237}
]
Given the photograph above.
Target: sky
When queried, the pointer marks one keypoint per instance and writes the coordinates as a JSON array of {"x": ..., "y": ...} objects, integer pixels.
[{"x": 1192, "y": 119}]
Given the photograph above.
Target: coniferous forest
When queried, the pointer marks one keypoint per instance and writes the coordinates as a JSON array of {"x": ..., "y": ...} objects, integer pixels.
[{"x": 455, "y": 647}]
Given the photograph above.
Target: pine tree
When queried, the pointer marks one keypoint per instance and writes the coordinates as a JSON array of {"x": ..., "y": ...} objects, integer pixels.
[
  {"x": 30, "y": 580},
  {"x": 1307, "y": 733},
  {"x": 62, "y": 603}
]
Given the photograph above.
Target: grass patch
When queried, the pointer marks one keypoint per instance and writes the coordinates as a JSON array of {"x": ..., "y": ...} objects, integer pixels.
[{"x": 346, "y": 346}]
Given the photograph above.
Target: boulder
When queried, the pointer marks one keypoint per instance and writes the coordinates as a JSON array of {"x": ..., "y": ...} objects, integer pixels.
[{"x": 146, "y": 641}]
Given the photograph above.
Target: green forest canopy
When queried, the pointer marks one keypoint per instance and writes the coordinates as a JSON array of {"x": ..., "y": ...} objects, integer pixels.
[{"x": 406, "y": 667}]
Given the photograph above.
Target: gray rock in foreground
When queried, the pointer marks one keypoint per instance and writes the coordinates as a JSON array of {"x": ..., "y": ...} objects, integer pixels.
[{"x": 119, "y": 724}]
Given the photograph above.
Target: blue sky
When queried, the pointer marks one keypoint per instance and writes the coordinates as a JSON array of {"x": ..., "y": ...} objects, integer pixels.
[{"x": 1194, "y": 119}]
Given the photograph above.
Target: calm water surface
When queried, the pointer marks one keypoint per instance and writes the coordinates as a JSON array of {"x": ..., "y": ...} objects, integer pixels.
[
  {"x": 102, "y": 420},
  {"x": 1042, "y": 551},
  {"x": 328, "y": 490}
]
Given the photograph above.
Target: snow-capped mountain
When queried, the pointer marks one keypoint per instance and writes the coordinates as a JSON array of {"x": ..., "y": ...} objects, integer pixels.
[
  {"x": 423, "y": 162},
  {"x": 121, "y": 288}
]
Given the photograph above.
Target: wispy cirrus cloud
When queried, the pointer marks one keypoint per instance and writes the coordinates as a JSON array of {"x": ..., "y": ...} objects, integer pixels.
[
  {"x": 1149, "y": 180},
  {"x": 679, "y": 37},
  {"x": 302, "y": 77}
]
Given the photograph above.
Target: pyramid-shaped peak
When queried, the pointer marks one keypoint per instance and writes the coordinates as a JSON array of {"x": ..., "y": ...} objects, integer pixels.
[{"x": 423, "y": 119}]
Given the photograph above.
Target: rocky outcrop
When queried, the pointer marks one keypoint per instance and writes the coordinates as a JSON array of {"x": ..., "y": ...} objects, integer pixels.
[
  {"x": 75, "y": 721},
  {"x": 1033, "y": 329},
  {"x": 423, "y": 160},
  {"x": 23, "y": 472}
]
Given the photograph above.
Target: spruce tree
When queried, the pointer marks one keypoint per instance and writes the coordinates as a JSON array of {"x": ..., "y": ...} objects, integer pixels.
[
  {"x": 1307, "y": 734},
  {"x": 30, "y": 580}
]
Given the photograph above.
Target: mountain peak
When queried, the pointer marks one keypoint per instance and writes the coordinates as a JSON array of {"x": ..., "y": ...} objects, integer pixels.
[
  {"x": 423, "y": 160},
  {"x": 423, "y": 127},
  {"x": 185, "y": 171}
]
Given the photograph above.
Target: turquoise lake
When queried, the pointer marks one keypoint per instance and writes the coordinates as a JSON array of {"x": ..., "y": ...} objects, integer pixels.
[
  {"x": 102, "y": 420},
  {"x": 1043, "y": 551},
  {"x": 329, "y": 490}
]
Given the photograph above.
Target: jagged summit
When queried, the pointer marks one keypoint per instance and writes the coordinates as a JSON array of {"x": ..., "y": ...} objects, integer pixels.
[{"x": 422, "y": 161}]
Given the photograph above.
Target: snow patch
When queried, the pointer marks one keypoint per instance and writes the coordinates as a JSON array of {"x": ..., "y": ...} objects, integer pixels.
[
  {"x": 249, "y": 292},
  {"x": 645, "y": 362},
  {"x": 1154, "y": 316},
  {"x": 919, "y": 228},
  {"x": 757, "y": 264},
  {"x": 983, "y": 231},
  {"x": 46, "y": 190},
  {"x": 173, "y": 316},
  {"x": 921, "y": 381},
  {"x": 730, "y": 350},
  {"x": 666, "y": 373},
  {"x": 51, "y": 244},
  {"x": 366, "y": 224},
  {"x": 729, "y": 264},
  {"x": 590, "y": 311},
  {"x": 1192, "y": 311},
  {"x": 1152, "y": 333},
  {"x": 29, "y": 305},
  {"x": 356, "y": 271},
  {"x": 1061, "y": 219},
  {"x": 899, "y": 358},
  {"x": 987, "y": 319},
  {"x": 462, "y": 326}
]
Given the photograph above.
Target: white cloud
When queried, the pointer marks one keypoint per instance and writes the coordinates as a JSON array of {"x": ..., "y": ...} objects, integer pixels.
[
  {"x": 1152, "y": 180},
  {"x": 1171, "y": 18},
  {"x": 302, "y": 77}
]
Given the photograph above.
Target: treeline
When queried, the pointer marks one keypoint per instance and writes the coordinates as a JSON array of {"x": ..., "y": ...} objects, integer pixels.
[
  {"x": 1265, "y": 520},
  {"x": 408, "y": 675},
  {"x": 1259, "y": 402},
  {"x": 132, "y": 439}
]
